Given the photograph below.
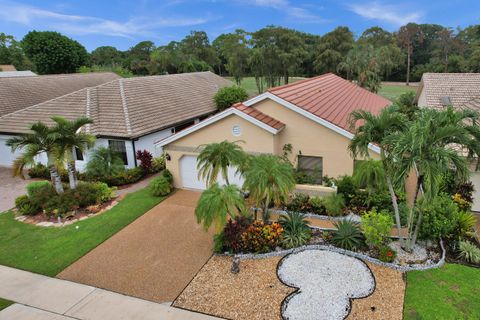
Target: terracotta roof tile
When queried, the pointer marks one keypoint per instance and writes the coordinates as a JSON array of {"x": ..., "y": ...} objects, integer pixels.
[
  {"x": 331, "y": 98},
  {"x": 259, "y": 116}
]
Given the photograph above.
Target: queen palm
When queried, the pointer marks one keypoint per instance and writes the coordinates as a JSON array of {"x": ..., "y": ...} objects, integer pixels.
[
  {"x": 370, "y": 173},
  {"x": 217, "y": 204},
  {"x": 216, "y": 158},
  {"x": 374, "y": 129},
  {"x": 70, "y": 137},
  {"x": 42, "y": 139},
  {"x": 269, "y": 179}
]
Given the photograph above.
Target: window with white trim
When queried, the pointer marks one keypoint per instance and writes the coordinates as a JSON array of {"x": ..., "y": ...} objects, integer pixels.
[
  {"x": 311, "y": 167},
  {"x": 118, "y": 146}
]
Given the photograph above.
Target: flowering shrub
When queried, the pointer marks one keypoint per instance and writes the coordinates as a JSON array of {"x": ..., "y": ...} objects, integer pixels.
[
  {"x": 462, "y": 203},
  {"x": 387, "y": 254},
  {"x": 232, "y": 233},
  {"x": 376, "y": 227},
  {"x": 260, "y": 237},
  {"x": 145, "y": 159}
]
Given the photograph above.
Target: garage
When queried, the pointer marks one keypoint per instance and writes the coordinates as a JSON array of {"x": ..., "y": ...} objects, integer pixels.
[
  {"x": 475, "y": 177},
  {"x": 189, "y": 175},
  {"x": 6, "y": 155}
]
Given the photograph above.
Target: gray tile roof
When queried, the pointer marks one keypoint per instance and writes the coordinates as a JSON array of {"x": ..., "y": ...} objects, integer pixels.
[
  {"x": 128, "y": 108},
  {"x": 460, "y": 87},
  {"x": 17, "y": 93}
]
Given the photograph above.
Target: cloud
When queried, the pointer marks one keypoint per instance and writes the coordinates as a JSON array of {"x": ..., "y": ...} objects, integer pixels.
[
  {"x": 388, "y": 13},
  {"x": 293, "y": 11},
  {"x": 85, "y": 25}
]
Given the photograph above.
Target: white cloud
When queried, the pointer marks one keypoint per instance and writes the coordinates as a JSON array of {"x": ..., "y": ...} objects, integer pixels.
[
  {"x": 84, "y": 25},
  {"x": 389, "y": 13},
  {"x": 291, "y": 10}
]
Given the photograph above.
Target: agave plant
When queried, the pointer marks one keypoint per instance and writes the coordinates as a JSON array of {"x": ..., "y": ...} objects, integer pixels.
[
  {"x": 348, "y": 235},
  {"x": 296, "y": 230},
  {"x": 469, "y": 252}
]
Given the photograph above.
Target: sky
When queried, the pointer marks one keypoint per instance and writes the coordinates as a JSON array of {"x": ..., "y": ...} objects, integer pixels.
[{"x": 122, "y": 24}]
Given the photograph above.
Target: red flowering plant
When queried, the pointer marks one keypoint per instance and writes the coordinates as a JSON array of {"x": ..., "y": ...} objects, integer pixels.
[
  {"x": 260, "y": 237},
  {"x": 387, "y": 254},
  {"x": 145, "y": 159}
]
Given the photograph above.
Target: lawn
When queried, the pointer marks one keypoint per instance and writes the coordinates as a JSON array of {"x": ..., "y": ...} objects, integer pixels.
[
  {"x": 50, "y": 250},
  {"x": 4, "y": 303},
  {"x": 451, "y": 292},
  {"x": 392, "y": 92},
  {"x": 250, "y": 86}
]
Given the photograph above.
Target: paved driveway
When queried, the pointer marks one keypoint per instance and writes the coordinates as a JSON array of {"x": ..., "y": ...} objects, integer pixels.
[
  {"x": 10, "y": 188},
  {"x": 153, "y": 258}
]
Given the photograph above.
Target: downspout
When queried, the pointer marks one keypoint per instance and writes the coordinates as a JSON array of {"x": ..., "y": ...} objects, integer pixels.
[{"x": 134, "y": 153}]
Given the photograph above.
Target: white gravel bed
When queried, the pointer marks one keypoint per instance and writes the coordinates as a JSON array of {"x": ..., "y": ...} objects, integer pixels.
[
  {"x": 326, "y": 282},
  {"x": 418, "y": 254}
]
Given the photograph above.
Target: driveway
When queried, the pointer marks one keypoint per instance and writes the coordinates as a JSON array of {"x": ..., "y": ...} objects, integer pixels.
[
  {"x": 153, "y": 258},
  {"x": 10, "y": 188}
]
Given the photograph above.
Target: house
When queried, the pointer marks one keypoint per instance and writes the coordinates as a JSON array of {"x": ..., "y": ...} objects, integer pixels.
[
  {"x": 7, "y": 67},
  {"x": 11, "y": 74},
  {"x": 128, "y": 114},
  {"x": 459, "y": 90},
  {"x": 311, "y": 116}
]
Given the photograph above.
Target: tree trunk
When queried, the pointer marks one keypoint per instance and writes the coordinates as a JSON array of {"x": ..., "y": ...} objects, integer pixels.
[
  {"x": 411, "y": 238},
  {"x": 72, "y": 179},
  {"x": 408, "y": 67},
  {"x": 395, "y": 209},
  {"x": 56, "y": 178},
  {"x": 265, "y": 209}
]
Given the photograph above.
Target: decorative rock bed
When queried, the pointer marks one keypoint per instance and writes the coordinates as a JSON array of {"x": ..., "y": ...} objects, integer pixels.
[{"x": 326, "y": 282}]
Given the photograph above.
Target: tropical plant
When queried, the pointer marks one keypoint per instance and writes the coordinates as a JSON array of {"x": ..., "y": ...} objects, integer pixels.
[
  {"x": 376, "y": 228},
  {"x": 42, "y": 139},
  {"x": 71, "y": 137},
  {"x": 465, "y": 224},
  {"x": 158, "y": 163},
  {"x": 145, "y": 158},
  {"x": 370, "y": 174},
  {"x": 216, "y": 158},
  {"x": 217, "y": 203},
  {"x": 159, "y": 186},
  {"x": 34, "y": 186},
  {"x": 232, "y": 233},
  {"x": 335, "y": 204},
  {"x": 469, "y": 252},
  {"x": 300, "y": 202},
  {"x": 269, "y": 180},
  {"x": 348, "y": 235},
  {"x": 260, "y": 237},
  {"x": 296, "y": 230},
  {"x": 317, "y": 204},
  {"x": 386, "y": 254},
  {"x": 104, "y": 162},
  {"x": 346, "y": 185}
]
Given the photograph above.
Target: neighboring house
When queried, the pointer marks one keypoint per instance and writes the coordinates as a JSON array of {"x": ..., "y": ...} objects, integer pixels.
[
  {"x": 128, "y": 114},
  {"x": 459, "y": 90},
  {"x": 311, "y": 116},
  {"x": 7, "y": 67}
]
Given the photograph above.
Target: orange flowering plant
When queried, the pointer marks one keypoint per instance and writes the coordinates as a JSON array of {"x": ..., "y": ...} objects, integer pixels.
[{"x": 260, "y": 237}]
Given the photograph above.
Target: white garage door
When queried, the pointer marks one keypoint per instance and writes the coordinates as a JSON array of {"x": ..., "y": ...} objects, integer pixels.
[
  {"x": 189, "y": 174},
  {"x": 475, "y": 177},
  {"x": 6, "y": 155}
]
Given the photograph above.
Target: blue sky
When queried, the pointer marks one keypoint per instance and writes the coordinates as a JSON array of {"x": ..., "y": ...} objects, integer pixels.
[{"x": 125, "y": 23}]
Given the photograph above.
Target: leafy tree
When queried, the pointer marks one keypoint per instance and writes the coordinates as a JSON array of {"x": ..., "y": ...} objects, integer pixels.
[
  {"x": 12, "y": 53},
  {"x": 197, "y": 46},
  {"x": 216, "y": 158},
  {"x": 376, "y": 37},
  {"x": 42, "y": 139},
  {"x": 407, "y": 36},
  {"x": 407, "y": 105},
  {"x": 70, "y": 137},
  {"x": 106, "y": 56},
  {"x": 138, "y": 57},
  {"x": 332, "y": 49},
  {"x": 52, "y": 52},
  {"x": 361, "y": 64},
  {"x": 218, "y": 203},
  {"x": 233, "y": 51},
  {"x": 269, "y": 180},
  {"x": 228, "y": 96}
]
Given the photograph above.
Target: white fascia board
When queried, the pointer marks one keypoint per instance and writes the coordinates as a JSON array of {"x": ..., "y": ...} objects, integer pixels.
[{"x": 309, "y": 115}]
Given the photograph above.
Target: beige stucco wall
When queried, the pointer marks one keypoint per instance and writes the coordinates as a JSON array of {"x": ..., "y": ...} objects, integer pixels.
[
  {"x": 310, "y": 139},
  {"x": 422, "y": 99},
  {"x": 253, "y": 139}
]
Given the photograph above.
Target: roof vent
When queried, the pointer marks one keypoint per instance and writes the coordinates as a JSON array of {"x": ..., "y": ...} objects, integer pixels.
[{"x": 446, "y": 101}]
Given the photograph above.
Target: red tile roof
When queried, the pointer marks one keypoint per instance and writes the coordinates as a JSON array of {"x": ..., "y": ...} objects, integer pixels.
[
  {"x": 331, "y": 98},
  {"x": 259, "y": 116}
]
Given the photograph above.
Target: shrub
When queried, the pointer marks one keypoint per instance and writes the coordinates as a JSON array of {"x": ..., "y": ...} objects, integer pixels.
[
  {"x": 88, "y": 193},
  {"x": 145, "y": 158},
  {"x": 168, "y": 175},
  {"x": 302, "y": 177},
  {"x": 42, "y": 195},
  {"x": 228, "y": 96},
  {"x": 469, "y": 252},
  {"x": 159, "y": 186},
  {"x": 158, "y": 164},
  {"x": 127, "y": 176},
  {"x": 465, "y": 223},
  {"x": 386, "y": 254},
  {"x": 32, "y": 187},
  {"x": 260, "y": 237},
  {"x": 23, "y": 199},
  {"x": 317, "y": 204},
  {"x": 218, "y": 241},
  {"x": 296, "y": 231},
  {"x": 466, "y": 190},
  {"x": 439, "y": 217},
  {"x": 358, "y": 203},
  {"x": 335, "y": 205},
  {"x": 346, "y": 186},
  {"x": 61, "y": 204},
  {"x": 376, "y": 228},
  {"x": 348, "y": 235},
  {"x": 104, "y": 162},
  {"x": 25, "y": 206},
  {"x": 379, "y": 201},
  {"x": 232, "y": 233},
  {"x": 300, "y": 202},
  {"x": 39, "y": 171},
  {"x": 462, "y": 204}
]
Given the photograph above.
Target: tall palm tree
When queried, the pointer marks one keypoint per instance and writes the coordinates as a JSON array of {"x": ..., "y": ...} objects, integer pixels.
[
  {"x": 42, "y": 140},
  {"x": 216, "y": 158},
  {"x": 374, "y": 129},
  {"x": 437, "y": 141},
  {"x": 370, "y": 173},
  {"x": 70, "y": 137},
  {"x": 217, "y": 203},
  {"x": 269, "y": 179}
]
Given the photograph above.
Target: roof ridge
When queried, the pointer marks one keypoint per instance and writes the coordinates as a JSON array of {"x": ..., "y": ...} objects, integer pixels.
[
  {"x": 125, "y": 107},
  {"x": 170, "y": 74},
  {"x": 298, "y": 82}
]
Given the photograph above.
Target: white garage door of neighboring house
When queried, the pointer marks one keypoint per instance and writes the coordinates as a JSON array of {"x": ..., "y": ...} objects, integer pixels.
[
  {"x": 6, "y": 155},
  {"x": 475, "y": 177},
  {"x": 189, "y": 174}
]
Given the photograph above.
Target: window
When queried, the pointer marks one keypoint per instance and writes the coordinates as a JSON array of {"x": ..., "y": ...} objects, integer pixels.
[
  {"x": 118, "y": 146},
  {"x": 182, "y": 126},
  {"x": 78, "y": 154},
  {"x": 311, "y": 167}
]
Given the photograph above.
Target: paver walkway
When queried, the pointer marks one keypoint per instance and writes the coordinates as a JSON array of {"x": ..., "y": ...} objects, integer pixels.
[
  {"x": 42, "y": 298},
  {"x": 153, "y": 258},
  {"x": 11, "y": 188}
]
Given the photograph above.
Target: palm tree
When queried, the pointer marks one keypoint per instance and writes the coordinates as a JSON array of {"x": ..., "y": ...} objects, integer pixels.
[
  {"x": 217, "y": 203},
  {"x": 269, "y": 179},
  {"x": 432, "y": 145},
  {"x": 104, "y": 162},
  {"x": 70, "y": 138},
  {"x": 374, "y": 129},
  {"x": 42, "y": 140},
  {"x": 370, "y": 173},
  {"x": 216, "y": 158}
]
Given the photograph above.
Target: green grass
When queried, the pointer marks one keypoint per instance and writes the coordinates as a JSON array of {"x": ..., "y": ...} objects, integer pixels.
[
  {"x": 50, "y": 250},
  {"x": 451, "y": 292},
  {"x": 4, "y": 303},
  {"x": 250, "y": 86},
  {"x": 392, "y": 92}
]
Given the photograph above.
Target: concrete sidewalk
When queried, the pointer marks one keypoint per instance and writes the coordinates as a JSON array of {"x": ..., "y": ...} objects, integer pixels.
[{"x": 39, "y": 297}]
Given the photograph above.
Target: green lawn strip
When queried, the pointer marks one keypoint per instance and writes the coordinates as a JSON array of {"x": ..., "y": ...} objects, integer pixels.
[
  {"x": 450, "y": 292},
  {"x": 392, "y": 92},
  {"x": 249, "y": 84},
  {"x": 50, "y": 250},
  {"x": 5, "y": 303}
]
